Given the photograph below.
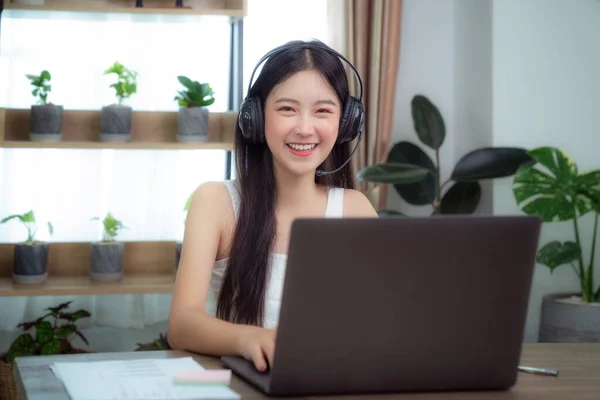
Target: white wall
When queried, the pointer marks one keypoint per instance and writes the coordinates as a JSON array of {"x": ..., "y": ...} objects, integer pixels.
[
  {"x": 547, "y": 92},
  {"x": 507, "y": 73}
]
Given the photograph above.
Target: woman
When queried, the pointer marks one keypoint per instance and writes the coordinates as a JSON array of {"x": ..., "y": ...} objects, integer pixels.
[{"x": 228, "y": 288}]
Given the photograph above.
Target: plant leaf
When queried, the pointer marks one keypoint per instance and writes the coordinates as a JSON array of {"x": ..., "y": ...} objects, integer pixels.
[
  {"x": 188, "y": 202},
  {"x": 555, "y": 254},
  {"x": 490, "y": 163},
  {"x": 64, "y": 331},
  {"x": 552, "y": 189},
  {"x": 44, "y": 332},
  {"x": 390, "y": 213},
  {"x": 428, "y": 122},
  {"x": 417, "y": 193},
  {"x": 23, "y": 345},
  {"x": 461, "y": 198},
  {"x": 75, "y": 315},
  {"x": 6, "y": 219},
  {"x": 78, "y": 333},
  {"x": 51, "y": 347},
  {"x": 392, "y": 173}
]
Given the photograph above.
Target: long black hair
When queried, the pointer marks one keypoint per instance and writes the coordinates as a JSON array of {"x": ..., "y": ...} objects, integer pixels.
[{"x": 242, "y": 295}]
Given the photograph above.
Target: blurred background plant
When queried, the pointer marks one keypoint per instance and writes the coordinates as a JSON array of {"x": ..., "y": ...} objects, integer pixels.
[{"x": 417, "y": 178}]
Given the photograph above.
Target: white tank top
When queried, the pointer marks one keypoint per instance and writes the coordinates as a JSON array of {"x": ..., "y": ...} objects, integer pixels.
[{"x": 335, "y": 206}]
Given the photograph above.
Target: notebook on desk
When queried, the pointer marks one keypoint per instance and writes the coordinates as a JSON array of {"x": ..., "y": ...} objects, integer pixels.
[{"x": 401, "y": 305}]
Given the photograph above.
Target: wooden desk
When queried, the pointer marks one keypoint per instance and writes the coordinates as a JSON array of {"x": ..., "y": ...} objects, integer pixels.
[{"x": 578, "y": 365}]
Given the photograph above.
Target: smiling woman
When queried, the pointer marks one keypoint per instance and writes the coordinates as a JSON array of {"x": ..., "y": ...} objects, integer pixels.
[{"x": 297, "y": 117}]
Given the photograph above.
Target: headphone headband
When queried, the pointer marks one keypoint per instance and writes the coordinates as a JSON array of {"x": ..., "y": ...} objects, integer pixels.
[{"x": 306, "y": 45}]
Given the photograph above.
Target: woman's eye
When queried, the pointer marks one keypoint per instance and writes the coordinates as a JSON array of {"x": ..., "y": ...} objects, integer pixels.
[
  {"x": 324, "y": 110},
  {"x": 285, "y": 109}
]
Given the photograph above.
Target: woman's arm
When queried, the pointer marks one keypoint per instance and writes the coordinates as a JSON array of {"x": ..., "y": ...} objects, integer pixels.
[{"x": 190, "y": 327}]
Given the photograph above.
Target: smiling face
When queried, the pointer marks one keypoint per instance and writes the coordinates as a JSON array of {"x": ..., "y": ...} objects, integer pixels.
[{"x": 302, "y": 117}]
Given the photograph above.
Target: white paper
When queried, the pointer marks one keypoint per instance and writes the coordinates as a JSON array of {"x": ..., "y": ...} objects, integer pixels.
[{"x": 143, "y": 379}]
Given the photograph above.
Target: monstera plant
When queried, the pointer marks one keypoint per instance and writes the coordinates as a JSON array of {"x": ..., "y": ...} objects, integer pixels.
[
  {"x": 554, "y": 190},
  {"x": 417, "y": 179}
]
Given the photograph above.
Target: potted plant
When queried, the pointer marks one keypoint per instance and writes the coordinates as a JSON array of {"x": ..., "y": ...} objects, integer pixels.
[
  {"x": 116, "y": 119},
  {"x": 554, "y": 190},
  {"x": 45, "y": 119},
  {"x": 179, "y": 244},
  {"x": 107, "y": 254},
  {"x": 52, "y": 336},
  {"x": 417, "y": 179},
  {"x": 30, "y": 256},
  {"x": 193, "y": 114},
  {"x": 160, "y": 343}
]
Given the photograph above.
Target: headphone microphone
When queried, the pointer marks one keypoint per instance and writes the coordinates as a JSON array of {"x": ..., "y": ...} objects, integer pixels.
[
  {"x": 321, "y": 173},
  {"x": 251, "y": 116}
]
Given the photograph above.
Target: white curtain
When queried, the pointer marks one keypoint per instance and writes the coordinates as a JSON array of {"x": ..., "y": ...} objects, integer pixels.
[{"x": 146, "y": 189}]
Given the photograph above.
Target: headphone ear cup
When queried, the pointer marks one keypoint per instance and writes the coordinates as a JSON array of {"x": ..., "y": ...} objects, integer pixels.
[
  {"x": 250, "y": 120},
  {"x": 258, "y": 123},
  {"x": 352, "y": 122}
]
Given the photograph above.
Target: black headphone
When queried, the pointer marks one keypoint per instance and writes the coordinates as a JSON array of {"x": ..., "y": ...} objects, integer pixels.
[{"x": 251, "y": 116}]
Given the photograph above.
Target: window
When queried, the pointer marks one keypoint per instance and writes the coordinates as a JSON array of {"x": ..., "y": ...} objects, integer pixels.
[
  {"x": 271, "y": 23},
  {"x": 145, "y": 189}
]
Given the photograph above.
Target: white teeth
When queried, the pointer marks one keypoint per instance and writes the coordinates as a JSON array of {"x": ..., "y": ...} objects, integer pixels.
[{"x": 302, "y": 147}]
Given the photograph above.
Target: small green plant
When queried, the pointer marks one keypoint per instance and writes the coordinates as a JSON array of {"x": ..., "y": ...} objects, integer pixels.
[
  {"x": 112, "y": 226},
  {"x": 159, "y": 343},
  {"x": 50, "y": 337},
  {"x": 197, "y": 94},
  {"x": 126, "y": 84},
  {"x": 42, "y": 86},
  {"x": 28, "y": 220},
  {"x": 554, "y": 190}
]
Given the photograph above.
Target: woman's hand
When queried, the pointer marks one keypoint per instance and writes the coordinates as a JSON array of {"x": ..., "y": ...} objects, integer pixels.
[{"x": 258, "y": 345}]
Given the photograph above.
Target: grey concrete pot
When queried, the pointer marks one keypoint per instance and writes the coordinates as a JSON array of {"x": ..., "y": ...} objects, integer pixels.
[
  {"x": 107, "y": 261},
  {"x": 115, "y": 123},
  {"x": 192, "y": 124},
  {"x": 45, "y": 122},
  {"x": 564, "y": 320},
  {"x": 30, "y": 263}
]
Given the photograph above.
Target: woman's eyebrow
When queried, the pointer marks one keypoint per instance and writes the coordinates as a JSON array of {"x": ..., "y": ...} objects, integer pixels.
[{"x": 319, "y": 102}]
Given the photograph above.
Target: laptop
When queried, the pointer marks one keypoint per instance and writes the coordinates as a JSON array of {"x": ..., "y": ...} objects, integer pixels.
[{"x": 396, "y": 305}]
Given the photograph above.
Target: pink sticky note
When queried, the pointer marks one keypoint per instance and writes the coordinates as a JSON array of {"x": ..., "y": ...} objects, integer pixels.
[{"x": 209, "y": 376}]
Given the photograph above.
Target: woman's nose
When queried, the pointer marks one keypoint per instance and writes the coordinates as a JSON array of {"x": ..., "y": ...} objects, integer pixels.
[{"x": 305, "y": 125}]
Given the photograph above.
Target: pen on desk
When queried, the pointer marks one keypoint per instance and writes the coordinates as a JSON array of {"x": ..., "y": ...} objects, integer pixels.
[{"x": 538, "y": 371}]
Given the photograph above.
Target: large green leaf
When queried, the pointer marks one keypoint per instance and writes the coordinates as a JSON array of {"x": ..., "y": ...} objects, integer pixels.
[
  {"x": 417, "y": 193},
  {"x": 555, "y": 254},
  {"x": 490, "y": 163},
  {"x": 461, "y": 198},
  {"x": 552, "y": 189},
  {"x": 394, "y": 173},
  {"x": 428, "y": 122}
]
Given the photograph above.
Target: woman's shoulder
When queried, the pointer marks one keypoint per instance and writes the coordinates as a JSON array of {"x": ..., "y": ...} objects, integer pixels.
[
  {"x": 213, "y": 197},
  {"x": 356, "y": 204}
]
